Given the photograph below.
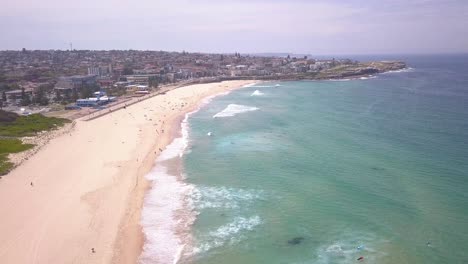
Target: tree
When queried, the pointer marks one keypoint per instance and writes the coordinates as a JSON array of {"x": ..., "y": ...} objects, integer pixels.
[
  {"x": 88, "y": 91},
  {"x": 67, "y": 96},
  {"x": 58, "y": 96},
  {"x": 153, "y": 83},
  {"x": 23, "y": 94},
  {"x": 25, "y": 100},
  {"x": 127, "y": 70},
  {"x": 41, "y": 96},
  {"x": 74, "y": 94}
]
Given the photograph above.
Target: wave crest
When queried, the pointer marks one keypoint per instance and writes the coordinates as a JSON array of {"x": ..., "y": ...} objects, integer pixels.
[
  {"x": 223, "y": 197},
  {"x": 257, "y": 93},
  {"x": 234, "y": 109},
  {"x": 228, "y": 234}
]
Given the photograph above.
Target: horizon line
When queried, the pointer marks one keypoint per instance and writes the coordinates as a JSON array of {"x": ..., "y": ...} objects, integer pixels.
[{"x": 255, "y": 53}]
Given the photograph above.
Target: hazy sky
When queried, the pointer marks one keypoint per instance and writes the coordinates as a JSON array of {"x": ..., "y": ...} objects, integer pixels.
[{"x": 299, "y": 26}]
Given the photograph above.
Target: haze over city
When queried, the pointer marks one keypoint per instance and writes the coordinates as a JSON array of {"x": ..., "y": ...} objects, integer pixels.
[{"x": 255, "y": 26}]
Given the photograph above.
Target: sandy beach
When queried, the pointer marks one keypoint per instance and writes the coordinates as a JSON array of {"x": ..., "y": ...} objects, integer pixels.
[{"x": 84, "y": 189}]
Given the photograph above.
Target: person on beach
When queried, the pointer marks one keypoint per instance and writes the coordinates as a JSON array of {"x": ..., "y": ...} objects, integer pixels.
[{"x": 32, "y": 184}]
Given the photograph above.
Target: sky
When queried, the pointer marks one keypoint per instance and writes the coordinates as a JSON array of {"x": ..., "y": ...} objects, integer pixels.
[{"x": 247, "y": 26}]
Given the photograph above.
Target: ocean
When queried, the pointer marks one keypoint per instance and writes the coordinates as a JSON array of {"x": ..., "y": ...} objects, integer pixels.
[{"x": 320, "y": 172}]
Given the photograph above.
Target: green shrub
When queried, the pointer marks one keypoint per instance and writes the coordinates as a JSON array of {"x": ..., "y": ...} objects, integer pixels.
[
  {"x": 8, "y": 146},
  {"x": 30, "y": 125},
  {"x": 5, "y": 165}
]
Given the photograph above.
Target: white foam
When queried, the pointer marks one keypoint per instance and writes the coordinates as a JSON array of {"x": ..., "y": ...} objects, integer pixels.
[
  {"x": 339, "y": 80},
  {"x": 408, "y": 69},
  {"x": 367, "y": 78},
  {"x": 161, "y": 225},
  {"x": 249, "y": 85},
  {"x": 178, "y": 145},
  {"x": 228, "y": 234},
  {"x": 257, "y": 93},
  {"x": 350, "y": 246},
  {"x": 234, "y": 109},
  {"x": 266, "y": 86},
  {"x": 223, "y": 197}
]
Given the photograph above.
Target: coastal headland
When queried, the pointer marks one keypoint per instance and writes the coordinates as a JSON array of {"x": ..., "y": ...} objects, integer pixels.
[{"x": 79, "y": 198}]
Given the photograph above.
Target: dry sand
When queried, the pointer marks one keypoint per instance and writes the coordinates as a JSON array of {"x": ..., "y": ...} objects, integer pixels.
[{"x": 88, "y": 185}]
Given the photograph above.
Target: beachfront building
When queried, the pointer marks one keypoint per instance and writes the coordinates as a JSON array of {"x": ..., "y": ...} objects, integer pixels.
[
  {"x": 15, "y": 96},
  {"x": 105, "y": 83},
  {"x": 89, "y": 102},
  {"x": 94, "y": 101},
  {"x": 137, "y": 87},
  {"x": 75, "y": 82},
  {"x": 142, "y": 79}
]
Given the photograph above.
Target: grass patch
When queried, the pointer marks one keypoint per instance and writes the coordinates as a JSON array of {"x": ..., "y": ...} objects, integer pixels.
[
  {"x": 5, "y": 165},
  {"x": 30, "y": 125},
  {"x": 8, "y": 146}
]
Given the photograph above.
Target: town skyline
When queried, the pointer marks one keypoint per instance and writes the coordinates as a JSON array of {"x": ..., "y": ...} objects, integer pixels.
[{"x": 258, "y": 26}]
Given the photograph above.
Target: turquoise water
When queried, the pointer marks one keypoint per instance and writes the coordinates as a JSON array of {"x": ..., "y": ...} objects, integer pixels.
[{"x": 328, "y": 171}]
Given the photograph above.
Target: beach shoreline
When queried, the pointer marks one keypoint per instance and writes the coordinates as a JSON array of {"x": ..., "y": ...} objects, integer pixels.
[
  {"x": 131, "y": 229},
  {"x": 93, "y": 214}
]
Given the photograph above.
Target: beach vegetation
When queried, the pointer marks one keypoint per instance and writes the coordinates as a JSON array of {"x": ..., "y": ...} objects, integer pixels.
[
  {"x": 5, "y": 165},
  {"x": 13, "y": 145},
  {"x": 7, "y": 146},
  {"x": 12, "y": 125}
]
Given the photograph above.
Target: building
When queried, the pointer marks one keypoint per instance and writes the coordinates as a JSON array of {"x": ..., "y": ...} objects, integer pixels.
[
  {"x": 94, "y": 101},
  {"x": 75, "y": 82},
  {"x": 105, "y": 83},
  {"x": 100, "y": 70},
  {"x": 89, "y": 102},
  {"x": 15, "y": 96},
  {"x": 143, "y": 79}
]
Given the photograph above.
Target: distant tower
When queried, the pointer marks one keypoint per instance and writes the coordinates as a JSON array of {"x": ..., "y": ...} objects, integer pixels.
[{"x": 71, "y": 46}]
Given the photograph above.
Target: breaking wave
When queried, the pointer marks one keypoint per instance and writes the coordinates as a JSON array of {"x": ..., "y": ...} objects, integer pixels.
[
  {"x": 408, "y": 69},
  {"x": 257, "y": 93},
  {"x": 228, "y": 234},
  {"x": 223, "y": 197},
  {"x": 349, "y": 247},
  {"x": 367, "y": 78},
  {"x": 234, "y": 109}
]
